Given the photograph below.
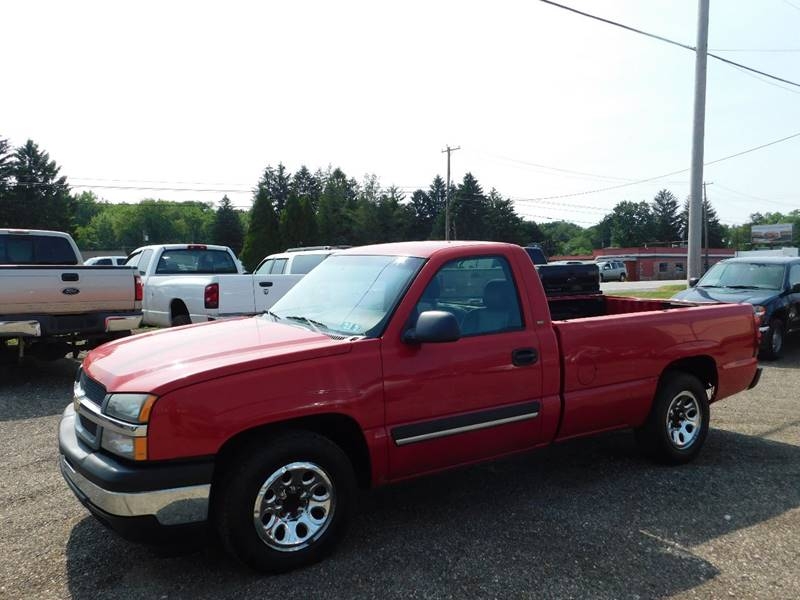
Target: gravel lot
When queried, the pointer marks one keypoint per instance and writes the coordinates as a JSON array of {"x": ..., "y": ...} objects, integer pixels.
[{"x": 586, "y": 519}]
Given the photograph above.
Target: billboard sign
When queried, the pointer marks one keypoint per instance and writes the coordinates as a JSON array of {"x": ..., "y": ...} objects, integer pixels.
[{"x": 771, "y": 234}]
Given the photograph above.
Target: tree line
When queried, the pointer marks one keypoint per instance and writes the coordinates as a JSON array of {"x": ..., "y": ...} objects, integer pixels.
[{"x": 307, "y": 208}]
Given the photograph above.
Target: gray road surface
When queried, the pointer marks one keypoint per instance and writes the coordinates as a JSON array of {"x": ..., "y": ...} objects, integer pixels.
[{"x": 586, "y": 519}]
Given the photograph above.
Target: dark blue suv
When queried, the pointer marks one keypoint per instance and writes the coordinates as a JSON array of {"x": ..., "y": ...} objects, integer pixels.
[{"x": 770, "y": 284}]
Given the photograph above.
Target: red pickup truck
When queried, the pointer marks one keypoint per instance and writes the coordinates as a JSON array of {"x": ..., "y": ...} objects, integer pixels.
[{"x": 385, "y": 362}]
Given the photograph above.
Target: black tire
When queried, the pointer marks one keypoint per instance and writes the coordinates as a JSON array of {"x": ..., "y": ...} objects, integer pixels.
[
  {"x": 773, "y": 340},
  {"x": 678, "y": 438},
  {"x": 181, "y": 319},
  {"x": 602, "y": 279},
  {"x": 622, "y": 277},
  {"x": 245, "y": 485}
]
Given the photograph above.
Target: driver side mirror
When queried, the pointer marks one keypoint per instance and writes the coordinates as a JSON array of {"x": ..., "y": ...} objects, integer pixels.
[
  {"x": 693, "y": 281},
  {"x": 795, "y": 289},
  {"x": 434, "y": 326}
]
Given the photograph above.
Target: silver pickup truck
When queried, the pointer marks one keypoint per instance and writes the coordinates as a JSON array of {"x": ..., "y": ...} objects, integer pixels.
[{"x": 51, "y": 304}]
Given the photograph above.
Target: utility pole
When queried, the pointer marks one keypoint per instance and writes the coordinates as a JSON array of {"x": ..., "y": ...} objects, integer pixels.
[
  {"x": 705, "y": 222},
  {"x": 447, "y": 194},
  {"x": 698, "y": 134}
]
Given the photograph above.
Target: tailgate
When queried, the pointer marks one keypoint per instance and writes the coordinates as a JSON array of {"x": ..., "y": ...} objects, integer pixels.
[{"x": 65, "y": 290}]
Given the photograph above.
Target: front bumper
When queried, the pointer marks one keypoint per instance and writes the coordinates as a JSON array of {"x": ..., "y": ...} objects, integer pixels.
[{"x": 138, "y": 501}]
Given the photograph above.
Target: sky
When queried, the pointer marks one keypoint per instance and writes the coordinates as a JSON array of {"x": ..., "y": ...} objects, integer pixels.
[{"x": 544, "y": 104}]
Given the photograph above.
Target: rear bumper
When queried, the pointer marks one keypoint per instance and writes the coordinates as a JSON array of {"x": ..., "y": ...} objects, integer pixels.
[
  {"x": 87, "y": 324},
  {"x": 146, "y": 502},
  {"x": 20, "y": 328}
]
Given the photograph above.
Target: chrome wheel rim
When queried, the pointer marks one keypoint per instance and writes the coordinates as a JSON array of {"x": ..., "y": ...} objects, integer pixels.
[
  {"x": 294, "y": 506},
  {"x": 684, "y": 420}
]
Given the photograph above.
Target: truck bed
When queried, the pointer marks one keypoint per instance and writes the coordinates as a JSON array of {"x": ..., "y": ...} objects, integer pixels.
[{"x": 580, "y": 307}]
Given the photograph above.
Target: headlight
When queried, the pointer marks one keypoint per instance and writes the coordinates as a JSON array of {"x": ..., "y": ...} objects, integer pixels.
[
  {"x": 133, "y": 448},
  {"x": 133, "y": 408},
  {"x": 128, "y": 441}
]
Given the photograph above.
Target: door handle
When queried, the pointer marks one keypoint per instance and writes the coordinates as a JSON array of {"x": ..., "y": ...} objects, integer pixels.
[
  {"x": 265, "y": 283},
  {"x": 69, "y": 277},
  {"x": 524, "y": 356}
]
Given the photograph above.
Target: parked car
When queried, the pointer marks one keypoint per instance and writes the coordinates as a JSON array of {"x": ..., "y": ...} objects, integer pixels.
[
  {"x": 181, "y": 281},
  {"x": 295, "y": 261},
  {"x": 51, "y": 304},
  {"x": 612, "y": 270},
  {"x": 770, "y": 284},
  {"x": 384, "y": 363},
  {"x": 116, "y": 261},
  {"x": 563, "y": 277}
]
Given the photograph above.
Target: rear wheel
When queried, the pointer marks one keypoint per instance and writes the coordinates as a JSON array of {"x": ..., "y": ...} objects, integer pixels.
[
  {"x": 622, "y": 277},
  {"x": 286, "y": 504},
  {"x": 773, "y": 341},
  {"x": 181, "y": 319},
  {"x": 677, "y": 425}
]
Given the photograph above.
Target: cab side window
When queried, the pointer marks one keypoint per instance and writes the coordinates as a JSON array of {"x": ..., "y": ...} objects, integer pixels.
[
  {"x": 794, "y": 275},
  {"x": 479, "y": 291}
]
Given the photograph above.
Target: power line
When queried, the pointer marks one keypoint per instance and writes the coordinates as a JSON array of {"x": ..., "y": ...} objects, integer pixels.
[
  {"x": 767, "y": 81},
  {"x": 751, "y": 69},
  {"x": 557, "y": 169},
  {"x": 759, "y": 198},
  {"x": 668, "y": 41},
  {"x": 754, "y": 49},
  {"x": 792, "y": 4},
  {"x": 649, "y": 179},
  {"x": 615, "y": 24}
]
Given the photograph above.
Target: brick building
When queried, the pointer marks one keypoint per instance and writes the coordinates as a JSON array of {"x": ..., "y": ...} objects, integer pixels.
[{"x": 648, "y": 264}]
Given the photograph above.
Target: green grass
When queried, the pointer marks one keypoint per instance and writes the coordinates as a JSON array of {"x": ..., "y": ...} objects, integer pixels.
[{"x": 665, "y": 291}]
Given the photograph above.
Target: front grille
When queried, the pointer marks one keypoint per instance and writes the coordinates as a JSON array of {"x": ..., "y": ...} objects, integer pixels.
[
  {"x": 93, "y": 390},
  {"x": 89, "y": 426}
]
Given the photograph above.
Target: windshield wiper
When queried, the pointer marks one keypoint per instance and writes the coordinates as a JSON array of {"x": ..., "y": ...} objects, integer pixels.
[
  {"x": 313, "y": 325},
  {"x": 743, "y": 287},
  {"x": 710, "y": 286},
  {"x": 269, "y": 313}
]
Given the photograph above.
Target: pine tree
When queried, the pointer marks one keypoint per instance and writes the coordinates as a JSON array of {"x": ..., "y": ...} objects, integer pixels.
[
  {"x": 306, "y": 185},
  {"x": 666, "y": 220},
  {"x": 263, "y": 231},
  {"x": 38, "y": 197},
  {"x": 5, "y": 180},
  {"x": 468, "y": 211},
  {"x": 298, "y": 222},
  {"x": 504, "y": 225},
  {"x": 227, "y": 229},
  {"x": 716, "y": 231},
  {"x": 337, "y": 207}
]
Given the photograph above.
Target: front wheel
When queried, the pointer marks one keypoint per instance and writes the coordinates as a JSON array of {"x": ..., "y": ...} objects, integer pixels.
[
  {"x": 677, "y": 425},
  {"x": 773, "y": 341},
  {"x": 286, "y": 504}
]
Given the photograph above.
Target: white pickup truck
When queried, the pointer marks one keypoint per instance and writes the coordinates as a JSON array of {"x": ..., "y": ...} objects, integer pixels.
[
  {"x": 195, "y": 283},
  {"x": 50, "y": 304}
]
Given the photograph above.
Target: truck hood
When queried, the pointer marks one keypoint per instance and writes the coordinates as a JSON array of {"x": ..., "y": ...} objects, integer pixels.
[
  {"x": 169, "y": 359},
  {"x": 731, "y": 296}
]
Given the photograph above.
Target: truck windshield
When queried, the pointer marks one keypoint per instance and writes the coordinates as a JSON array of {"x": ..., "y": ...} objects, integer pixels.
[
  {"x": 744, "y": 275},
  {"x": 349, "y": 295}
]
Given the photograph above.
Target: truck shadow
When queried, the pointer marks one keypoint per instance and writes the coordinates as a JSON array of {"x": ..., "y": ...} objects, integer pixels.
[
  {"x": 36, "y": 389},
  {"x": 589, "y": 518}
]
